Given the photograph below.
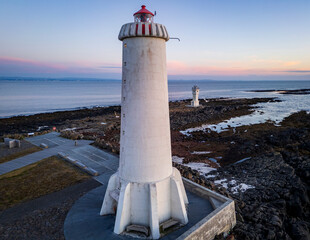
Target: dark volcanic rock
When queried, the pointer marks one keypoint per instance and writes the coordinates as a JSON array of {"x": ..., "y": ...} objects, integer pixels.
[
  {"x": 277, "y": 206},
  {"x": 279, "y": 196},
  {"x": 25, "y": 124}
]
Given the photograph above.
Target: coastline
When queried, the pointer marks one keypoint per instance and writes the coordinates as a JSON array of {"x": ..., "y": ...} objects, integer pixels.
[
  {"x": 264, "y": 167},
  {"x": 33, "y": 122},
  {"x": 36, "y": 96}
]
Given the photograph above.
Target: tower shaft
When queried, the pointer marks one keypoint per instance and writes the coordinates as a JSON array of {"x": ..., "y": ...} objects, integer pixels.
[{"x": 145, "y": 153}]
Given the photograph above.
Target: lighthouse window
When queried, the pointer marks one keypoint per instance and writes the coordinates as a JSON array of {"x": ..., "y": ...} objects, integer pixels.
[
  {"x": 123, "y": 132},
  {"x": 123, "y": 98},
  {"x": 124, "y": 80},
  {"x": 143, "y": 15},
  {"x": 123, "y": 115},
  {"x": 125, "y": 45},
  {"x": 124, "y": 63}
]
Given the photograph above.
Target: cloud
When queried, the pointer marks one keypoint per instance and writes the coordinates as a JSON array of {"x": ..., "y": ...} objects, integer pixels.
[
  {"x": 235, "y": 70},
  {"x": 291, "y": 63},
  {"x": 23, "y": 67},
  {"x": 109, "y": 67},
  {"x": 296, "y": 71}
]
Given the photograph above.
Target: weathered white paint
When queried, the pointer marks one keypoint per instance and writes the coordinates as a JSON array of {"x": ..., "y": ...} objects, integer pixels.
[
  {"x": 135, "y": 30},
  {"x": 151, "y": 191},
  {"x": 109, "y": 204},
  {"x": 195, "y": 101},
  {"x": 147, "y": 204},
  {"x": 145, "y": 154}
]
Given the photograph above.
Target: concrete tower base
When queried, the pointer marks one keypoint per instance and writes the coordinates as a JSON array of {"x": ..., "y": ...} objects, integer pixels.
[
  {"x": 194, "y": 103},
  {"x": 153, "y": 203}
]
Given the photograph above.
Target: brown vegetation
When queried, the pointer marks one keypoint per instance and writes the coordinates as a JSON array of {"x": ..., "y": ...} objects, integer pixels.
[{"x": 35, "y": 180}]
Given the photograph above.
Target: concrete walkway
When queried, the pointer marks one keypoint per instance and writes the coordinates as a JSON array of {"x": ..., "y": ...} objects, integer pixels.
[
  {"x": 102, "y": 162},
  {"x": 53, "y": 141}
]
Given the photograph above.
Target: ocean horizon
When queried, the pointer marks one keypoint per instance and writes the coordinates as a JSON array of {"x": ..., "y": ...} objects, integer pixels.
[{"x": 27, "y": 96}]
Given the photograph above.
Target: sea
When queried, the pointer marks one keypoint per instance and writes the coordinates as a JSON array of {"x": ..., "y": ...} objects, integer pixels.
[{"x": 31, "y": 96}]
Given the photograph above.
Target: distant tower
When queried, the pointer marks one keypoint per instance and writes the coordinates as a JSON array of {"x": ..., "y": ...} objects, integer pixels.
[
  {"x": 195, "y": 101},
  {"x": 146, "y": 190}
]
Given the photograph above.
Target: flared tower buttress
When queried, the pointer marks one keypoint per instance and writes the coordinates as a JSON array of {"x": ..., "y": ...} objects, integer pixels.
[{"x": 146, "y": 191}]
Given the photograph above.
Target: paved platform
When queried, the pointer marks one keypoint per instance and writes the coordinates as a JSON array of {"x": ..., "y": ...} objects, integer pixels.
[
  {"x": 94, "y": 158},
  {"x": 55, "y": 144},
  {"x": 84, "y": 222}
]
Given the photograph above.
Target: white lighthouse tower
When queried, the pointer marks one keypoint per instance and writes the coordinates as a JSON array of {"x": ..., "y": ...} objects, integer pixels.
[
  {"x": 195, "y": 101},
  {"x": 146, "y": 191}
]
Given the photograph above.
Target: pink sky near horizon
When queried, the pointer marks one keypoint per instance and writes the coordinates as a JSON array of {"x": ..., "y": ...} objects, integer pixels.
[{"x": 286, "y": 68}]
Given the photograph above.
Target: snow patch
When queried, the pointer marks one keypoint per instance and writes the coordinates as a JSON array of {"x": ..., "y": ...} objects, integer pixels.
[
  {"x": 242, "y": 187},
  {"x": 177, "y": 159},
  {"x": 202, "y": 168},
  {"x": 41, "y": 127},
  {"x": 69, "y": 129},
  {"x": 222, "y": 182},
  {"x": 210, "y": 176},
  {"x": 202, "y": 152}
]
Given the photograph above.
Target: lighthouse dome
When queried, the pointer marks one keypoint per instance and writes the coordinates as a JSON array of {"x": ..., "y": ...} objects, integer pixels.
[
  {"x": 143, "y": 15},
  {"x": 143, "y": 26}
]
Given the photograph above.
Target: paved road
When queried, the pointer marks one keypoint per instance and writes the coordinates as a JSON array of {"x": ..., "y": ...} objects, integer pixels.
[{"x": 55, "y": 143}]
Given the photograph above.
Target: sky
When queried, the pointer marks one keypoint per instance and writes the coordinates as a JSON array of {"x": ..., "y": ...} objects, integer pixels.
[{"x": 220, "y": 40}]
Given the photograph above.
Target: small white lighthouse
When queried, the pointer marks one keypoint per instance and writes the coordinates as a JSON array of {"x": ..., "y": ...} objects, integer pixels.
[
  {"x": 146, "y": 192},
  {"x": 195, "y": 101}
]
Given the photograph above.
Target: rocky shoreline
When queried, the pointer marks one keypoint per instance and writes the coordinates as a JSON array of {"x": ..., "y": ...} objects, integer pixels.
[
  {"x": 284, "y": 91},
  {"x": 264, "y": 167}
]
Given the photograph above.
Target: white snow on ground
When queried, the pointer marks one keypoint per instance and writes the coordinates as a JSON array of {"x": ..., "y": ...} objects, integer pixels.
[
  {"x": 210, "y": 176},
  {"x": 69, "y": 129},
  {"x": 41, "y": 127},
  {"x": 202, "y": 168},
  {"x": 270, "y": 111},
  {"x": 202, "y": 152},
  {"x": 222, "y": 182},
  {"x": 239, "y": 187},
  {"x": 177, "y": 159},
  {"x": 103, "y": 123},
  {"x": 242, "y": 187},
  {"x": 232, "y": 181}
]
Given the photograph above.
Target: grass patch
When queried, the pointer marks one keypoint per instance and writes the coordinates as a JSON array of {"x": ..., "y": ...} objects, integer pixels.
[
  {"x": 38, "y": 179},
  {"x": 20, "y": 154}
]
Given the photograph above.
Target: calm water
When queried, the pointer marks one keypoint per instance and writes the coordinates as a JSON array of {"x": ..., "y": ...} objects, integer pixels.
[{"x": 24, "y": 97}]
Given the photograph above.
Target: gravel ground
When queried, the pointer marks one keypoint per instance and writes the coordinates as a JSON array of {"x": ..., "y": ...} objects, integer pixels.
[{"x": 42, "y": 218}]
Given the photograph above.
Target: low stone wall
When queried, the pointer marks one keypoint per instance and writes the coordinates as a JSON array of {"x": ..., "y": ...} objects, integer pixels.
[{"x": 220, "y": 221}]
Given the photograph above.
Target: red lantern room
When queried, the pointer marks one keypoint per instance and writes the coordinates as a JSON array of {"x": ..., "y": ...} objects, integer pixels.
[{"x": 143, "y": 15}]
